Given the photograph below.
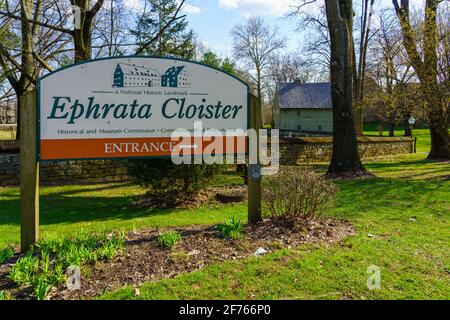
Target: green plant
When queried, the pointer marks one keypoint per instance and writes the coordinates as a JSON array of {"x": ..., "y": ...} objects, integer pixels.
[
  {"x": 169, "y": 183},
  {"x": 41, "y": 287},
  {"x": 24, "y": 270},
  {"x": 56, "y": 275},
  {"x": 6, "y": 254},
  {"x": 231, "y": 228},
  {"x": 297, "y": 193},
  {"x": 2, "y": 295},
  {"x": 169, "y": 239},
  {"x": 44, "y": 266}
]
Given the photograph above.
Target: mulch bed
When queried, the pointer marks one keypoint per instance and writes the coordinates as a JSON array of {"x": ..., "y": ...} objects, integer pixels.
[
  {"x": 208, "y": 196},
  {"x": 145, "y": 260}
]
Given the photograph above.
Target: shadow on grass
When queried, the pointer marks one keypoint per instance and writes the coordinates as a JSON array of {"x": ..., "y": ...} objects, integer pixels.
[
  {"x": 354, "y": 195},
  {"x": 397, "y": 164},
  {"x": 358, "y": 197},
  {"x": 63, "y": 207}
]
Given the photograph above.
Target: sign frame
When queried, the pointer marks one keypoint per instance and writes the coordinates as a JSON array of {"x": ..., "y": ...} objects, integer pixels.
[{"x": 38, "y": 105}]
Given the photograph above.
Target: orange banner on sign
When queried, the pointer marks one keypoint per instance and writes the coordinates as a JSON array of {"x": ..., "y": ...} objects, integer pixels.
[{"x": 139, "y": 147}]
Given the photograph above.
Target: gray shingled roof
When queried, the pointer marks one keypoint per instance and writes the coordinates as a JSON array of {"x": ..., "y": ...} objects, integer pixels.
[{"x": 304, "y": 95}]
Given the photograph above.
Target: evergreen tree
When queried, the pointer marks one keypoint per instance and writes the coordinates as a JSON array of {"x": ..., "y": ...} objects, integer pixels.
[
  {"x": 175, "y": 40},
  {"x": 212, "y": 59},
  {"x": 229, "y": 66}
]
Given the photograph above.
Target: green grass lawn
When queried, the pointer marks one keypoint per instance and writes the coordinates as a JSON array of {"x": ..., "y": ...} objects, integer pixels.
[
  {"x": 422, "y": 135},
  {"x": 104, "y": 207},
  {"x": 412, "y": 254}
]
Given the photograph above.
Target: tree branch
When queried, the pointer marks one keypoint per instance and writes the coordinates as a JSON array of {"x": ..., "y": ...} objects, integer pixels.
[
  {"x": 163, "y": 29},
  {"x": 42, "y": 24},
  {"x": 42, "y": 62}
]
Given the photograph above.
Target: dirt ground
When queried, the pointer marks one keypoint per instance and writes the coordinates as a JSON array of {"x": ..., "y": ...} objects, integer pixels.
[{"x": 145, "y": 260}]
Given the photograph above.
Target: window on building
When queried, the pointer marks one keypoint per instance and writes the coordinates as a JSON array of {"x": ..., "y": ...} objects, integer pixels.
[
  {"x": 320, "y": 128},
  {"x": 299, "y": 127}
]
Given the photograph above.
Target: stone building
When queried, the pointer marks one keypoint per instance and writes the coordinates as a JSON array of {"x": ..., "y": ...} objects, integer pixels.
[{"x": 303, "y": 106}]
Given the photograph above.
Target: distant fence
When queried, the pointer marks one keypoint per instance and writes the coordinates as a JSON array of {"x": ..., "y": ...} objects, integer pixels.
[
  {"x": 8, "y": 112},
  {"x": 64, "y": 172},
  {"x": 296, "y": 151}
]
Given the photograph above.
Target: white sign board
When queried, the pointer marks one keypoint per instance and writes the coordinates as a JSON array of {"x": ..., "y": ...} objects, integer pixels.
[{"x": 129, "y": 107}]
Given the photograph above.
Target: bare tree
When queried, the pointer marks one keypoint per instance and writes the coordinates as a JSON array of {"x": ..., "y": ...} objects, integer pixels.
[
  {"x": 290, "y": 67},
  {"x": 426, "y": 66},
  {"x": 84, "y": 15},
  {"x": 317, "y": 43},
  {"x": 345, "y": 159},
  {"x": 443, "y": 49},
  {"x": 359, "y": 73},
  {"x": 32, "y": 45},
  {"x": 391, "y": 71},
  {"x": 111, "y": 32},
  {"x": 254, "y": 44}
]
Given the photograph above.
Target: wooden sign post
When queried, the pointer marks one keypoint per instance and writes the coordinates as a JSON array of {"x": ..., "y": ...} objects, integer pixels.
[
  {"x": 254, "y": 170},
  {"x": 29, "y": 172}
]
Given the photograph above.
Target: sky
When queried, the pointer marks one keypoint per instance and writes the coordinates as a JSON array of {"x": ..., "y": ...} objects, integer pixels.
[{"x": 212, "y": 20}]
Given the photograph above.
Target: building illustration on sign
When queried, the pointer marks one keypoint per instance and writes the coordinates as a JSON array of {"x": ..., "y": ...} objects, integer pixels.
[
  {"x": 127, "y": 75},
  {"x": 176, "y": 77}
]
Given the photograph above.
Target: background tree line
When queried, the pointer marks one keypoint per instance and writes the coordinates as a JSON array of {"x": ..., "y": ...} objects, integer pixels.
[{"x": 395, "y": 61}]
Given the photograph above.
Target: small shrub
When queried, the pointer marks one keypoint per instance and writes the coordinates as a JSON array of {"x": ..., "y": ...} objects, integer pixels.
[
  {"x": 169, "y": 239},
  {"x": 297, "y": 193},
  {"x": 168, "y": 183},
  {"x": 231, "y": 229},
  {"x": 2, "y": 295},
  {"x": 6, "y": 254}
]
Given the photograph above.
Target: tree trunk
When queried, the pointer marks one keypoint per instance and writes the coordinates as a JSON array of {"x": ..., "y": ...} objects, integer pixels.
[
  {"x": 345, "y": 159},
  {"x": 427, "y": 72},
  {"x": 440, "y": 138},
  {"x": 380, "y": 129},
  {"x": 407, "y": 127},
  {"x": 81, "y": 51},
  {"x": 18, "y": 117},
  {"x": 258, "y": 75},
  {"x": 82, "y": 37},
  {"x": 28, "y": 71},
  {"x": 391, "y": 128}
]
